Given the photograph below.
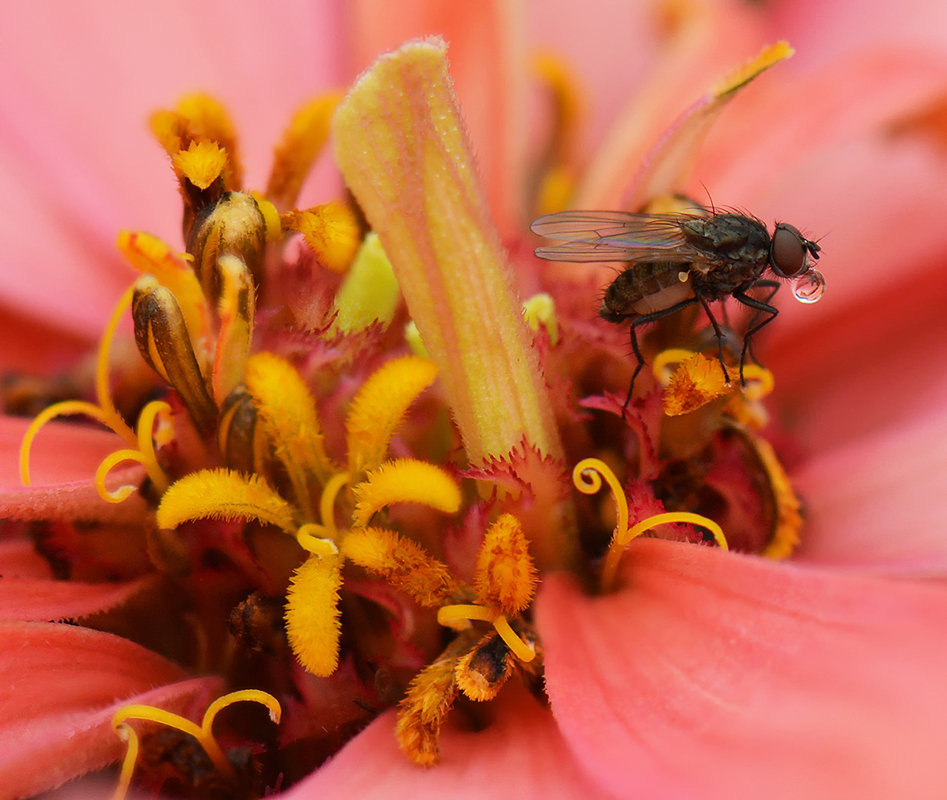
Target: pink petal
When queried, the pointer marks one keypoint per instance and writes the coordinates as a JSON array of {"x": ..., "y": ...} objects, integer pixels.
[
  {"x": 35, "y": 600},
  {"x": 888, "y": 512},
  {"x": 520, "y": 754},
  {"x": 488, "y": 68},
  {"x": 63, "y": 461},
  {"x": 713, "y": 675},
  {"x": 61, "y": 685},
  {"x": 76, "y": 158},
  {"x": 19, "y": 559}
]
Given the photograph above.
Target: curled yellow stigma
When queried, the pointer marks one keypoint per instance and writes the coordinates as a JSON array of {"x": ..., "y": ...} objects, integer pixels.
[
  {"x": 203, "y": 733},
  {"x": 459, "y": 614},
  {"x": 587, "y": 477},
  {"x": 141, "y": 440}
]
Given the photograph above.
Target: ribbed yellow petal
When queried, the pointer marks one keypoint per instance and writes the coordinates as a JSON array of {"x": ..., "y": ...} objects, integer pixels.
[
  {"x": 505, "y": 577},
  {"x": 288, "y": 412},
  {"x": 379, "y": 406},
  {"x": 370, "y": 291},
  {"x": 298, "y": 149},
  {"x": 312, "y": 614},
  {"x": 224, "y": 494},
  {"x": 404, "y": 481},
  {"x": 401, "y": 146},
  {"x": 401, "y": 562}
]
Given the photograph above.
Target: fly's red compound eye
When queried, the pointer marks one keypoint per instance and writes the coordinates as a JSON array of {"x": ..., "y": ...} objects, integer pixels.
[{"x": 788, "y": 253}]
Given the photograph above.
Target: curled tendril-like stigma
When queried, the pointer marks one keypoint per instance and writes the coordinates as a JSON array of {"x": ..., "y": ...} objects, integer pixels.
[
  {"x": 587, "y": 477},
  {"x": 455, "y": 616},
  {"x": 203, "y": 733}
]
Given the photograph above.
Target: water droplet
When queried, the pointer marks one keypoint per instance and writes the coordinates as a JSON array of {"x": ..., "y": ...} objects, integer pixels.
[{"x": 808, "y": 287}]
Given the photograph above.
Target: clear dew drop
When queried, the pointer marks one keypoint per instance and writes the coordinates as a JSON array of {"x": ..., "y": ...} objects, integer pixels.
[{"x": 809, "y": 287}]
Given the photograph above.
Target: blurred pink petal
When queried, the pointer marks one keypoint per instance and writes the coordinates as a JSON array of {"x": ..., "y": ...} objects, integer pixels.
[
  {"x": 884, "y": 515},
  {"x": 36, "y": 600},
  {"x": 79, "y": 84},
  {"x": 714, "y": 675},
  {"x": 520, "y": 755},
  {"x": 56, "y": 721},
  {"x": 62, "y": 468}
]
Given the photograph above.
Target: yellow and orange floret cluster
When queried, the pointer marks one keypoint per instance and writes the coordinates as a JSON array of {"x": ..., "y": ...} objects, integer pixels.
[{"x": 302, "y": 424}]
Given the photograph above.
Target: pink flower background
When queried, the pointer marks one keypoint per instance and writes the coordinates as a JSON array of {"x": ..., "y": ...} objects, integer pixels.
[{"x": 709, "y": 674}]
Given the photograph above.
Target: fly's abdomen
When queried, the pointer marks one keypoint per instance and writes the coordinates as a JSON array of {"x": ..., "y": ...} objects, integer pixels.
[{"x": 644, "y": 289}]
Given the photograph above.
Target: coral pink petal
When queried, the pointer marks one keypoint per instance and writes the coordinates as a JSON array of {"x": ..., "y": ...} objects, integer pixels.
[
  {"x": 63, "y": 461},
  {"x": 714, "y": 675},
  {"x": 76, "y": 160},
  {"x": 487, "y": 65},
  {"x": 888, "y": 513},
  {"x": 19, "y": 559},
  {"x": 36, "y": 600},
  {"x": 520, "y": 754},
  {"x": 877, "y": 363},
  {"x": 61, "y": 685}
]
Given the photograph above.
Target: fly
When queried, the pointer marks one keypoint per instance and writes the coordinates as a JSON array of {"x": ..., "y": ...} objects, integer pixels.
[{"x": 673, "y": 261}]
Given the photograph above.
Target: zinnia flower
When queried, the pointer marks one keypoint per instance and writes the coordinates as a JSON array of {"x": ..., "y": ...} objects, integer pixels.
[{"x": 359, "y": 558}]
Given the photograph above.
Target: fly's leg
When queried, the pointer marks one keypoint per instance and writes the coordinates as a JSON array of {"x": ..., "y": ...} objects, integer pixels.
[
  {"x": 719, "y": 334},
  {"x": 636, "y": 349},
  {"x": 761, "y": 307}
]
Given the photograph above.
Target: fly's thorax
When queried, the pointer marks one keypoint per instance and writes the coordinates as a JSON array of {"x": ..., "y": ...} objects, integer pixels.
[
  {"x": 737, "y": 252},
  {"x": 645, "y": 289}
]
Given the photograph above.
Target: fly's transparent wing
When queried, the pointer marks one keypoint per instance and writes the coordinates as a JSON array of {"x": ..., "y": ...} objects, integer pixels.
[{"x": 614, "y": 236}]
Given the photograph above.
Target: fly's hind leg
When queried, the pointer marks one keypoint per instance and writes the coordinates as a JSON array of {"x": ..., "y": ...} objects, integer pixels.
[
  {"x": 755, "y": 324},
  {"x": 636, "y": 349},
  {"x": 719, "y": 334}
]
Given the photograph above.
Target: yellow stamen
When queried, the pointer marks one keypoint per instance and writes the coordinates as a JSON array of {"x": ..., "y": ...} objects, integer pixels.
[
  {"x": 150, "y": 255},
  {"x": 505, "y": 577},
  {"x": 486, "y": 667},
  {"x": 224, "y": 494},
  {"x": 312, "y": 614},
  {"x": 422, "y": 712},
  {"x": 618, "y": 545},
  {"x": 587, "y": 477},
  {"x": 456, "y": 616},
  {"x": 370, "y": 293},
  {"x": 199, "y": 118},
  {"x": 379, "y": 406},
  {"x": 331, "y": 231},
  {"x": 65, "y": 408},
  {"x": 540, "y": 309},
  {"x": 316, "y": 540},
  {"x": 768, "y": 56},
  {"x": 236, "y": 310},
  {"x": 203, "y": 732},
  {"x": 327, "y": 500},
  {"x": 105, "y": 412},
  {"x": 288, "y": 412},
  {"x": 400, "y": 562},
  {"x": 144, "y": 455},
  {"x": 697, "y": 382},
  {"x": 202, "y": 163},
  {"x": 302, "y": 142},
  {"x": 404, "y": 481}
]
